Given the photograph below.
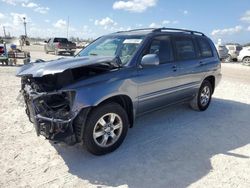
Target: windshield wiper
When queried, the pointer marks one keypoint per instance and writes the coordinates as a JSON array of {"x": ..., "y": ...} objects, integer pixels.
[
  {"x": 116, "y": 62},
  {"x": 93, "y": 54}
]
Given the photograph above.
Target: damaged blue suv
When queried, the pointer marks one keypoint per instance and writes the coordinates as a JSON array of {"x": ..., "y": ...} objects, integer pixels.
[{"x": 94, "y": 97}]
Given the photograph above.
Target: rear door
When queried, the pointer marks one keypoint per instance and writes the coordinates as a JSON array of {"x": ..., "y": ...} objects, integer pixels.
[{"x": 190, "y": 70}]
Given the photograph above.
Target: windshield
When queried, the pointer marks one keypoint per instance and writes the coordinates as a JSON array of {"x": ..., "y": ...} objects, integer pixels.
[{"x": 123, "y": 47}]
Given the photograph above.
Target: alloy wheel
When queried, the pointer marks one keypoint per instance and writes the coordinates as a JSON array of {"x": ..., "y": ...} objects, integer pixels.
[{"x": 107, "y": 130}]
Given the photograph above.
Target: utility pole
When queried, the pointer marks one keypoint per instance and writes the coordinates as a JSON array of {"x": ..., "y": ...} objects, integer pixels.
[
  {"x": 24, "y": 23},
  {"x": 68, "y": 28},
  {"x": 4, "y": 32}
]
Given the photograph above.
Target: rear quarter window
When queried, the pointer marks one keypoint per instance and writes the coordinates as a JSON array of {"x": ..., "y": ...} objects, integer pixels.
[{"x": 205, "y": 48}]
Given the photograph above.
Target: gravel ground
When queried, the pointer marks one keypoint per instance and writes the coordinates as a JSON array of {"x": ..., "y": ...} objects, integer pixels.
[{"x": 174, "y": 147}]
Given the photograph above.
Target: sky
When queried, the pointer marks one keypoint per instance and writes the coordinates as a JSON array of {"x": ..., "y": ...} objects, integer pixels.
[{"x": 228, "y": 20}]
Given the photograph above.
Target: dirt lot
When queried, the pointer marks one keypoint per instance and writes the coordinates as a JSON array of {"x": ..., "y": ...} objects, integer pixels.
[{"x": 175, "y": 147}]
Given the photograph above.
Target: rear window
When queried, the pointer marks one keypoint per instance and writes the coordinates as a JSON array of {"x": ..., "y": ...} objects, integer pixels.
[
  {"x": 62, "y": 40},
  {"x": 185, "y": 49},
  {"x": 238, "y": 48},
  {"x": 205, "y": 49}
]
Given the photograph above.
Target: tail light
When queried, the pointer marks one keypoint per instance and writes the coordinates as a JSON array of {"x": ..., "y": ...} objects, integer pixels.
[
  {"x": 1, "y": 50},
  {"x": 58, "y": 45}
]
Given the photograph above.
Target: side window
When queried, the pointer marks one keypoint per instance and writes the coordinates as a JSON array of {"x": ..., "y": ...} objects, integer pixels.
[
  {"x": 185, "y": 49},
  {"x": 205, "y": 48},
  {"x": 161, "y": 46}
]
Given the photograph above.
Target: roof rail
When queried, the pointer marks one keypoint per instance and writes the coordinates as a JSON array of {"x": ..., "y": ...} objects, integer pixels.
[
  {"x": 141, "y": 29},
  {"x": 182, "y": 30}
]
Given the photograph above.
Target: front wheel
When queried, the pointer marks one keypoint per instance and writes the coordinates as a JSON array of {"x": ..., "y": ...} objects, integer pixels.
[
  {"x": 202, "y": 99},
  {"x": 105, "y": 129},
  {"x": 228, "y": 59}
]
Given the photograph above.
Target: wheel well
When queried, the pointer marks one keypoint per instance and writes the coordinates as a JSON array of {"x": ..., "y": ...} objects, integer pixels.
[
  {"x": 125, "y": 102},
  {"x": 211, "y": 79}
]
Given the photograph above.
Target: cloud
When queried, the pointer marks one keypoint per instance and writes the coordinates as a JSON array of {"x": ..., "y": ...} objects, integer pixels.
[
  {"x": 105, "y": 22},
  {"x": 60, "y": 24},
  {"x": 246, "y": 17},
  {"x": 248, "y": 28},
  {"x": 30, "y": 5},
  {"x": 18, "y": 18},
  {"x": 163, "y": 23},
  {"x": 154, "y": 25},
  {"x": 227, "y": 31},
  {"x": 134, "y": 5},
  {"x": 14, "y": 2},
  {"x": 42, "y": 10},
  {"x": 2, "y": 16},
  {"x": 185, "y": 12},
  {"x": 47, "y": 21},
  {"x": 36, "y": 7}
]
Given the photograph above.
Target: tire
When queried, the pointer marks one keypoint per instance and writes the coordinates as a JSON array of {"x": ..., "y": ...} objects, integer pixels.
[
  {"x": 109, "y": 136},
  {"x": 45, "y": 50},
  {"x": 228, "y": 59},
  {"x": 56, "y": 52},
  {"x": 199, "y": 102},
  {"x": 246, "y": 61}
]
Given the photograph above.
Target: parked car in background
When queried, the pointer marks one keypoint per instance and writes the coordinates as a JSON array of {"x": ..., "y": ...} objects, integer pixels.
[
  {"x": 3, "y": 54},
  {"x": 2, "y": 50},
  {"x": 233, "y": 51},
  {"x": 95, "y": 97},
  {"x": 222, "y": 51},
  {"x": 244, "y": 55},
  {"x": 59, "y": 46}
]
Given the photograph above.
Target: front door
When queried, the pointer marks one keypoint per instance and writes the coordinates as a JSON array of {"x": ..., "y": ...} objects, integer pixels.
[{"x": 157, "y": 84}]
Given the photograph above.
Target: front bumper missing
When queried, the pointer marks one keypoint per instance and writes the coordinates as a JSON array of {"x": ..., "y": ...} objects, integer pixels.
[{"x": 58, "y": 128}]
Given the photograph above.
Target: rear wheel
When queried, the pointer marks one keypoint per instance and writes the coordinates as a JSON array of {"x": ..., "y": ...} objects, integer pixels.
[
  {"x": 105, "y": 129},
  {"x": 56, "y": 52},
  {"x": 202, "y": 99},
  {"x": 46, "y": 51},
  {"x": 228, "y": 59},
  {"x": 246, "y": 60}
]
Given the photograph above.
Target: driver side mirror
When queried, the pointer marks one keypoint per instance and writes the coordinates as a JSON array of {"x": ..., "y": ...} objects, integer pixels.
[{"x": 150, "y": 60}]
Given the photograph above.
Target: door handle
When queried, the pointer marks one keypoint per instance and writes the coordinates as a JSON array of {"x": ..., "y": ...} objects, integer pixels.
[{"x": 174, "y": 67}]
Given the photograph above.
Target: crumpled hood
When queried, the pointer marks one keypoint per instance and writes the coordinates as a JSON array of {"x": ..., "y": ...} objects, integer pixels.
[{"x": 57, "y": 66}]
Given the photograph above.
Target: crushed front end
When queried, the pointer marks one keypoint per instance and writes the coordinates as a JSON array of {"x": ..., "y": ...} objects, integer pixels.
[{"x": 49, "y": 111}]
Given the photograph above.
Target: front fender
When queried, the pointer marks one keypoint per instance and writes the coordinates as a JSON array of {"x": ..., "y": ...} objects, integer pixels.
[{"x": 93, "y": 95}]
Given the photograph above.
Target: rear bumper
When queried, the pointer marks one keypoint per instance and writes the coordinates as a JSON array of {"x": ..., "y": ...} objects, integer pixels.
[{"x": 66, "y": 50}]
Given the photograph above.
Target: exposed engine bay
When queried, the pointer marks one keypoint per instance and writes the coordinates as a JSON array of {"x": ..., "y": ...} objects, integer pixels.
[{"x": 49, "y": 107}]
